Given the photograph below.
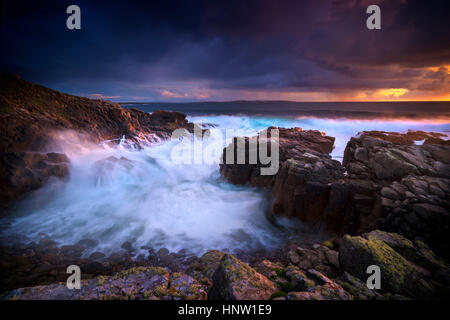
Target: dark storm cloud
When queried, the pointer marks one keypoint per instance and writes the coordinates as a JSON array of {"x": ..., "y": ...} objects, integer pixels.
[{"x": 168, "y": 49}]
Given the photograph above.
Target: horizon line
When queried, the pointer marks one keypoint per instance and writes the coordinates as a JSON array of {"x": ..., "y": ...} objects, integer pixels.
[{"x": 289, "y": 101}]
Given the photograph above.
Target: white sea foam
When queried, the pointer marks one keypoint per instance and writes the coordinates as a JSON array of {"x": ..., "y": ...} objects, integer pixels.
[{"x": 143, "y": 197}]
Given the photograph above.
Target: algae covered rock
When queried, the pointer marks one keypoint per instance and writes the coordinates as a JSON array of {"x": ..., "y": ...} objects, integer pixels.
[
  {"x": 417, "y": 251},
  {"x": 185, "y": 287},
  {"x": 325, "y": 289},
  {"x": 235, "y": 280},
  {"x": 299, "y": 280},
  {"x": 130, "y": 284},
  {"x": 398, "y": 275},
  {"x": 203, "y": 269}
]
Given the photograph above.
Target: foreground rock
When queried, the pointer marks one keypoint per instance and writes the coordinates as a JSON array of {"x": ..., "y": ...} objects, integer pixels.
[
  {"x": 137, "y": 283},
  {"x": 235, "y": 280},
  {"x": 35, "y": 120},
  {"x": 407, "y": 268}
]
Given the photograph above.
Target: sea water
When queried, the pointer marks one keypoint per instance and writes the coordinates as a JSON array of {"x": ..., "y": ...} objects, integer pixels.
[{"x": 143, "y": 197}]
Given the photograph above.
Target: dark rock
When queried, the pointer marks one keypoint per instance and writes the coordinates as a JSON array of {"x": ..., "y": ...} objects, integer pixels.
[
  {"x": 35, "y": 119},
  {"x": 402, "y": 263},
  {"x": 97, "y": 255},
  {"x": 235, "y": 280}
]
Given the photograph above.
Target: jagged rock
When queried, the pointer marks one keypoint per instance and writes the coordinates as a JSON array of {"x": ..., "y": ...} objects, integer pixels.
[
  {"x": 22, "y": 172},
  {"x": 269, "y": 269},
  {"x": 298, "y": 279},
  {"x": 135, "y": 283},
  {"x": 319, "y": 257},
  {"x": 37, "y": 119},
  {"x": 185, "y": 287},
  {"x": 206, "y": 265},
  {"x": 235, "y": 280},
  {"x": 326, "y": 290},
  {"x": 357, "y": 288},
  {"x": 392, "y": 183},
  {"x": 402, "y": 263}
]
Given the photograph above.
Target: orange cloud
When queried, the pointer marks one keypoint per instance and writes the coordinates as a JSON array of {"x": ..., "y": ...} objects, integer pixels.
[
  {"x": 100, "y": 96},
  {"x": 170, "y": 94}
]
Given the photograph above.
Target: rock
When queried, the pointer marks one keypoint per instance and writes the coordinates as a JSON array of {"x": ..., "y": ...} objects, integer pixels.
[
  {"x": 235, "y": 280},
  {"x": 270, "y": 269},
  {"x": 185, "y": 287},
  {"x": 319, "y": 257},
  {"x": 401, "y": 262},
  {"x": 327, "y": 290},
  {"x": 22, "y": 172},
  {"x": 88, "y": 243},
  {"x": 357, "y": 288},
  {"x": 97, "y": 255},
  {"x": 93, "y": 267},
  {"x": 127, "y": 246},
  {"x": 389, "y": 193},
  {"x": 73, "y": 250},
  {"x": 47, "y": 242},
  {"x": 417, "y": 251},
  {"x": 34, "y": 119},
  {"x": 299, "y": 280},
  {"x": 135, "y": 283},
  {"x": 206, "y": 265}
]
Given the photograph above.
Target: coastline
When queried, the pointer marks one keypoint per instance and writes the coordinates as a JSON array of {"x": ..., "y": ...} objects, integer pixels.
[{"x": 417, "y": 174}]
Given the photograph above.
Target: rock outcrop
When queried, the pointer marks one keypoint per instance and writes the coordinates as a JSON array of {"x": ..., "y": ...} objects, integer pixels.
[
  {"x": 33, "y": 120},
  {"x": 406, "y": 267},
  {"x": 386, "y": 181},
  {"x": 235, "y": 280},
  {"x": 307, "y": 183},
  {"x": 21, "y": 172},
  {"x": 409, "y": 186}
]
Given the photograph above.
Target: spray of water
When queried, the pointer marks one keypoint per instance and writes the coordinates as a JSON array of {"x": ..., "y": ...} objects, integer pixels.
[{"x": 118, "y": 194}]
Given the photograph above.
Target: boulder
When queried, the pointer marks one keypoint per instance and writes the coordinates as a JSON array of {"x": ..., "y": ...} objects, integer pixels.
[
  {"x": 22, "y": 172},
  {"x": 235, "y": 280},
  {"x": 326, "y": 289},
  {"x": 135, "y": 283},
  {"x": 35, "y": 119},
  {"x": 402, "y": 263}
]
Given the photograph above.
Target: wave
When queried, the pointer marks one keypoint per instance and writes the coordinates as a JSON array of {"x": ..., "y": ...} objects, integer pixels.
[{"x": 115, "y": 195}]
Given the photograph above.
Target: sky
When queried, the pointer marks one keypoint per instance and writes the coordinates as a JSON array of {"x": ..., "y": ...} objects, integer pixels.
[{"x": 179, "y": 51}]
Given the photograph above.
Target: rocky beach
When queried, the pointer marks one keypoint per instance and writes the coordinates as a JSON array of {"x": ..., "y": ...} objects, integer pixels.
[{"x": 387, "y": 203}]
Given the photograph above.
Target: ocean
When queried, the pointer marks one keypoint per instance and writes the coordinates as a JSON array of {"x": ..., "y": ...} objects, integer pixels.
[{"x": 150, "y": 201}]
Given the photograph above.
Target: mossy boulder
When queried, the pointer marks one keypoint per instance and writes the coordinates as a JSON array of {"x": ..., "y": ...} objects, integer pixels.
[
  {"x": 356, "y": 287},
  {"x": 298, "y": 279},
  {"x": 185, "y": 287},
  {"x": 130, "y": 284},
  {"x": 324, "y": 289},
  {"x": 417, "y": 251},
  {"x": 236, "y": 280},
  {"x": 206, "y": 265},
  {"x": 397, "y": 274}
]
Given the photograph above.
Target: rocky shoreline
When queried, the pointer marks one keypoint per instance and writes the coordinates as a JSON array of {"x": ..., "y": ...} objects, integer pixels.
[
  {"x": 36, "y": 121},
  {"x": 387, "y": 205},
  {"x": 386, "y": 181}
]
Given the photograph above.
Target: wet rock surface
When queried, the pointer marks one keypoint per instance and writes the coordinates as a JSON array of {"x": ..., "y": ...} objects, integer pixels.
[
  {"x": 35, "y": 119},
  {"x": 387, "y": 205},
  {"x": 409, "y": 270},
  {"x": 386, "y": 181},
  {"x": 22, "y": 172},
  {"x": 235, "y": 280},
  {"x": 409, "y": 184}
]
